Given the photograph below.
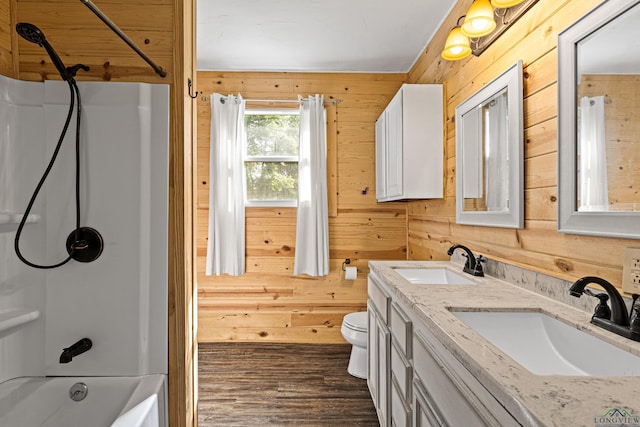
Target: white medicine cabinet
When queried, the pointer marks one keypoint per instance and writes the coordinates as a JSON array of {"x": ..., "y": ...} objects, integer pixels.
[{"x": 409, "y": 145}]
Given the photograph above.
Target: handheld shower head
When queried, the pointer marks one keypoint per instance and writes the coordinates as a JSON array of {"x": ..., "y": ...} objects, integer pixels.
[
  {"x": 33, "y": 34},
  {"x": 30, "y": 33}
]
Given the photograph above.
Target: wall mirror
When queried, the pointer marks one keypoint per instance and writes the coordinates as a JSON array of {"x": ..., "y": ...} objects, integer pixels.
[
  {"x": 489, "y": 154},
  {"x": 599, "y": 122}
]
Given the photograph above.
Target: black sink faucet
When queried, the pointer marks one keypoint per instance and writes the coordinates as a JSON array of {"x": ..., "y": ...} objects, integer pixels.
[
  {"x": 473, "y": 265},
  {"x": 76, "y": 349},
  {"x": 619, "y": 319}
]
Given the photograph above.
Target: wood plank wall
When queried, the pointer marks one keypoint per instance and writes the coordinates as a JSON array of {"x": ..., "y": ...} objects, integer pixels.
[
  {"x": 182, "y": 324},
  {"x": 165, "y": 31},
  {"x": 431, "y": 224},
  {"x": 79, "y": 36},
  {"x": 269, "y": 303},
  {"x": 6, "y": 49}
]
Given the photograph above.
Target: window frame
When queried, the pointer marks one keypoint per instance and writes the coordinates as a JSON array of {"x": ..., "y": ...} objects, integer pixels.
[{"x": 292, "y": 203}]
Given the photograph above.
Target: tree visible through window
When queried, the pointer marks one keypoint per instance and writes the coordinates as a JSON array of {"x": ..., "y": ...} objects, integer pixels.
[{"x": 271, "y": 157}]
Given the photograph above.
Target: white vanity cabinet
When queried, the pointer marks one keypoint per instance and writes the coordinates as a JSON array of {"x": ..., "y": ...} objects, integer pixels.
[
  {"x": 414, "y": 379},
  {"x": 409, "y": 145},
  {"x": 389, "y": 348}
]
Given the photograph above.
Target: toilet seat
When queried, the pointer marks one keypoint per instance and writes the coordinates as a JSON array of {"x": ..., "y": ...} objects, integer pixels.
[{"x": 356, "y": 321}]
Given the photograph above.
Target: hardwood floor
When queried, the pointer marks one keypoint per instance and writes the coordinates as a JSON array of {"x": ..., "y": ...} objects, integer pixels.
[{"x": 247, "y": 384}]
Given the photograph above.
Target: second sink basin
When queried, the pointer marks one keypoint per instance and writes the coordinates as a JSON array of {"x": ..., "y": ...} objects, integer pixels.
[
  {"x": 547, "y": 346},
  {"x": 433, "y": 276}
]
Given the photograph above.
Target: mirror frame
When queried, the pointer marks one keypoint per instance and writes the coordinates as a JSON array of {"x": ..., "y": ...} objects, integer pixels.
[
  {"x": 625, "y": 224},
  {"x": 511, "y": 79}
]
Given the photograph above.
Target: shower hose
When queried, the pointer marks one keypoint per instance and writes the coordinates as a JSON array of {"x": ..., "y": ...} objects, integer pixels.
[{"x": 75, "y": 95}]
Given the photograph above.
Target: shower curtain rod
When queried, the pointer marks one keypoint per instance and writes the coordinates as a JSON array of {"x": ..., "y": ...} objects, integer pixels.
[
  {"x": 328, "y": 101},
  {"x": 123, "y": 36},
  {"x": 287, "y": 101}
]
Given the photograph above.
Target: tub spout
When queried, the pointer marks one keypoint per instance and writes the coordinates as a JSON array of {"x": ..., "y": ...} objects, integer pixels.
[{"x": 76, "y": 349}]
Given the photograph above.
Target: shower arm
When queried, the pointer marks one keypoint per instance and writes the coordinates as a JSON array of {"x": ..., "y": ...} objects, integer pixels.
[{"x": 123, "y": 36}]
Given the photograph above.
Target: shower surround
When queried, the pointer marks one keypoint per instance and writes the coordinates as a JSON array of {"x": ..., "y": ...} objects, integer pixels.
[{"x": 119, "y": 301}]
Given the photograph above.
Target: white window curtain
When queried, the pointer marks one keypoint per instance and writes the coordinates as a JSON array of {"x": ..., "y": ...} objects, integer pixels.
[
  {"x": 472, "y": 154},
  {"x": 312, "y": 231},
  {"x": 592, "y": 173},
  {"x": 226, "y": 246},
  {"x": 497, "y": 155}
]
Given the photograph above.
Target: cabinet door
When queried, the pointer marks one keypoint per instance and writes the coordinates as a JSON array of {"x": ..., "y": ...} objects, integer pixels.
[
  {"x": 384, "y": 372},
  {"x": 400, "y": 411},
  {"x": 372, "y": 353},
  {"x": 394, "y": 147},
  {"x": 425, "y": 412},
  {"x": 457, "y": 395},
  {"x": 441, "y": 388},
  {"x": 422, "y": 141},
  {"x": 381, "y": 157},
  {"x": 378, "y": 369}
]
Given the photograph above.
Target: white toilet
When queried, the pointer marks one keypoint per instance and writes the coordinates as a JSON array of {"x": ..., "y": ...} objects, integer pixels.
[{"x": 354, "y": 330}]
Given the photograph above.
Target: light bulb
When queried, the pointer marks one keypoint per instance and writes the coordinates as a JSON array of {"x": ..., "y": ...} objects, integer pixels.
[
  {"x": 479, "y": 19},
  {"x": 457, "y": 46},
  {"x": 480, "y": 25}
]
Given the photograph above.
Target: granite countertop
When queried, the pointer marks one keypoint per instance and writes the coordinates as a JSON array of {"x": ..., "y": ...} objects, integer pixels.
[{"x": 552, "y": 400}]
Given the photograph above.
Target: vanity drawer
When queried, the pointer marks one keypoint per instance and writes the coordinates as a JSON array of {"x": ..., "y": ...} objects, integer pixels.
[
  {"x": 401, "y": 371},
  {"x": 401, "y": 330},
  {"x": 379, "y": 298}
]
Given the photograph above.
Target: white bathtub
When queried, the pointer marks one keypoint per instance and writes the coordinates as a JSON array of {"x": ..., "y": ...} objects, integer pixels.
[{"x": 109, "y": 401}]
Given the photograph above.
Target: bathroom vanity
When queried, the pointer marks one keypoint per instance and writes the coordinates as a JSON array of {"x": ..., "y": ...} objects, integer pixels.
[{"x": 430, "y": 364}]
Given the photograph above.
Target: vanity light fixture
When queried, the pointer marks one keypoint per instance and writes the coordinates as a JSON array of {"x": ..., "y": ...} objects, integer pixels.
[
  {"x": 479, "y": 20},
  {"x": 481, "y": 15},
  {"x": 457, "y": 45}
]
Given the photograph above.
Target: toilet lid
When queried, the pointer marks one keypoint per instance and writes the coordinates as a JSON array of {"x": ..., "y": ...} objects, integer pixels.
[{"x": 356, "y": 321}]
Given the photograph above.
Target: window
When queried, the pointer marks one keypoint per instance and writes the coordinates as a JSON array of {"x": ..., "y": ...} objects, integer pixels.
[{"x": 271, "y": 157}]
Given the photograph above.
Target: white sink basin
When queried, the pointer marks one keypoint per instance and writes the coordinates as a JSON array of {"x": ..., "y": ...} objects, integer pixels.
[
  {"x": 547, "y": 346},
  {"x": 433, "y": 276}
]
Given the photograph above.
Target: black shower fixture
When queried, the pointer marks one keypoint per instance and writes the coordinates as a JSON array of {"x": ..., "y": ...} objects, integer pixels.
[
  {"x": 84, "y": 244},
  {"x": 33, "y": 34}
]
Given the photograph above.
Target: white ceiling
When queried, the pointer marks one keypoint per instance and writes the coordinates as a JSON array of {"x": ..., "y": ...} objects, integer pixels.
[{"x": 316, "y": 35}]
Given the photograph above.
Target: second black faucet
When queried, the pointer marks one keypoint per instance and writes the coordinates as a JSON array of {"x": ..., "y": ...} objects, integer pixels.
[{"x": 616, "y": 319}]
